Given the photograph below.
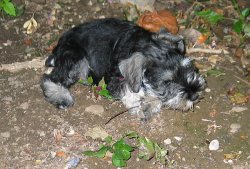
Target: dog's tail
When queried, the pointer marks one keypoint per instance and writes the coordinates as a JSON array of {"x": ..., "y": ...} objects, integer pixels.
[{"x": 56, "y": 93}]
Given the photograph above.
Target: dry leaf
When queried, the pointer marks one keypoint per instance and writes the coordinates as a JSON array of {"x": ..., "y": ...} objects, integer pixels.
[
  {"x": 201, "y": 39},
  {"x": 30, "y": 25},
  {"x": 60, "y": 154},
  {"x": 231, "y": 156},
  {"x": 57, "y": 135},
  {"x": 239, "y": 98},
  {"x": 154, "y": 21}
]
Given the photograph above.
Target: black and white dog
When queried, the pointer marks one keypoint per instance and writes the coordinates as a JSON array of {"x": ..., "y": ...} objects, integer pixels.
[{"x": 145, "y": 70}]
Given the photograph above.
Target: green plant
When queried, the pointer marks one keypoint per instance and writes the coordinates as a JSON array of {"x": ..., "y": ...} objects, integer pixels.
[
  {"x": 8, "y": 7},
  {"x": 240, "y": 25},
  {"x": 101, "y": 89},
  {"x": 121, "y": 151},
  {"x": 210, "y": 16}
]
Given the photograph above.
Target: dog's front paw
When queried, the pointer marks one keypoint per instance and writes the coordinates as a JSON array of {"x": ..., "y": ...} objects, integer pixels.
[{"x": 146, "y": 116}]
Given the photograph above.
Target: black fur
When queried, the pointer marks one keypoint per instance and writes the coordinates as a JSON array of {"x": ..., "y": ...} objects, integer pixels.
[{"x": 125, "y": 55}]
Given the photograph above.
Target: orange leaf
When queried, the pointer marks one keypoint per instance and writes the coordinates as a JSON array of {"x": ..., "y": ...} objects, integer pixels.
[
  {"x": 154, "y": 21},
  {"x": 201, "y": 39},
  {"x": 60, "y": 154}
]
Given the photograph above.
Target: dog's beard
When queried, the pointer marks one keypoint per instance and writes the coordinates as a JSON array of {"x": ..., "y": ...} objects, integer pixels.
[{"x": 179, "y": 102}]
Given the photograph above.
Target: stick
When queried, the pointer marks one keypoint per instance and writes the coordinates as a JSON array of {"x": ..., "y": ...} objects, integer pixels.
[
  {"x": 17, "y": 66},
  {"x": 213, "y": 51}
]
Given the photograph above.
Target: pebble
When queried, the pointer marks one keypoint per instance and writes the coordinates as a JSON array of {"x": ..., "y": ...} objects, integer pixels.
[
  {"x": 167, "y": 141},
  {"x": 207, "y": 90},
  {"x": 101, "y": 17},
  {"x": 24, "y": 105},
  {"x": 214, "y": 145},
  {"x": 5, "y": 134},
  {"x": 235, "y": 127},
  {"x": 178, "y": 138},
  {"x": 95, "y": 109}
]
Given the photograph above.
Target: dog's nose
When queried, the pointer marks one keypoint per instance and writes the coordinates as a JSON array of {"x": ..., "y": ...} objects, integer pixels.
[{"x": 193, "y": 96}]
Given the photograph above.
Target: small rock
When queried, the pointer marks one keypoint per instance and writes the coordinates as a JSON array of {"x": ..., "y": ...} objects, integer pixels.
[
  {"x": 24, "y": 105},
  {"x": 90, "y": 3},
  {"x": 5, "y": 134},
  {"x": 71, "y": 132},
  {"x": 95, "y": 109},
  {"x": 235, "y": 127},
  {"x": 97, "y": 132},
  {"x": 214, "y": 145},
  {"x": 101, "y": 17},
  {"x": 207, "y": 90},
  {"x": 41, "y": 133},
  {"x": 97, "y": 9},
  {"x": 167, "y": 141},
  {"x": 178, "y": 138}
]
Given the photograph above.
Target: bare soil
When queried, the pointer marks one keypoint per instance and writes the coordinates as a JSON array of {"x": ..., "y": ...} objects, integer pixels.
[{"x": 28, "y": 122}]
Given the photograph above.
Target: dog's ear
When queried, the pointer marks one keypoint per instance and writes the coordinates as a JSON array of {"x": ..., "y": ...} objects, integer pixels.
[
  {"x": 132, "y": 70},
  {"x": 175, "y": 40}
]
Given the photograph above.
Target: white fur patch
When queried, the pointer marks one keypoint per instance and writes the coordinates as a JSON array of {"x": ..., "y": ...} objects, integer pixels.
[
  {"x": 55, "y": 93},
  {"x": 185, "y": 62}
]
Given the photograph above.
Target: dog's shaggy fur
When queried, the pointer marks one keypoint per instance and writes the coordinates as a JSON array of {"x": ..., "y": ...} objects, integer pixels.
[{"x": 145, "y": 70}]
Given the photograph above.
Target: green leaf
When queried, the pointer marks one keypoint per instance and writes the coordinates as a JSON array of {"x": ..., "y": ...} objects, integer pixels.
[
  {"x": 211, "y": 16},
  {"x": 245, "y": 12},
  {"x": 132, "y": 134},
  {"x": 160, "y": 154},
  {"x": 90, "y": 80},
  {"x": 123, "y": 154},
  {"x": 246, "y": 28},
  {"x": 100, "y": 153},
  {"x": 108, "y": 139},
  {"x": 146, "y": 148},
  {"x": 9, "y": 8},
  {"x": 237, "y": 26},
  {"x": 119, "y": 145},
  {"x": 118, "y": 162},
  {"x": 215, "y": 72}
]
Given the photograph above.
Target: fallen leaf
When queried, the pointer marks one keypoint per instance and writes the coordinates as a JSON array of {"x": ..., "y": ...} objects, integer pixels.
[
  {"x": 231, "y": 156},
  {"x": 57, "y": 135},
  {"x": 60, "y": 154},
  {"x": 214, "y": 59},
  {"x": 30, "y": 25},
  {"x": 239, "y": 98},
  {"x": 154, "y": 21},
  {"x": 201, "y": 39},
  {"x": 243, "y": 137}
]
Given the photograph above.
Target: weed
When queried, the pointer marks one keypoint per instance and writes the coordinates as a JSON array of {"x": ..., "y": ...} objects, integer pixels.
[
  {"x": 121, "y": 151},
  {"x": 8, "y": 7}
]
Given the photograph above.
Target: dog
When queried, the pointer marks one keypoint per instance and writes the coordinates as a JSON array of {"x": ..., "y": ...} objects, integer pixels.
[{"x": 145, "y": 70}]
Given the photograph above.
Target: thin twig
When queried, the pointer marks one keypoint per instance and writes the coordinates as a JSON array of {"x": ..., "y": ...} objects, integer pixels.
[
  {"x": 213, "y": 51},
  {"x": 122, "y": 112},
  {"x": 242, "y": 80}
]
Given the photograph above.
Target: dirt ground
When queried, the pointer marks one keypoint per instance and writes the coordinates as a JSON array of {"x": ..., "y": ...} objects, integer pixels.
[{"x": 29, "y": 126}]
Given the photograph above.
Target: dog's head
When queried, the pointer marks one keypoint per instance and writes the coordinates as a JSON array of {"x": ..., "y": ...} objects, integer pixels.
[{"x": 176, "y": 82}]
